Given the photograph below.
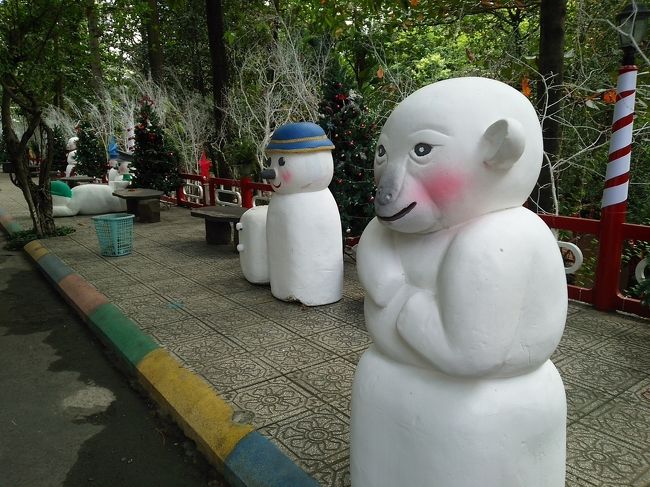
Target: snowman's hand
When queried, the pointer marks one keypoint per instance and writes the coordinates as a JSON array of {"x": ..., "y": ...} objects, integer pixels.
[
  {"x": 420, "y": 326},
  {"x": 378, "y": 266}
]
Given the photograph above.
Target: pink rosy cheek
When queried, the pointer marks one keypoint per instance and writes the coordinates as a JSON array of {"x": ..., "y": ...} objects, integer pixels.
[
  {"x": 286, "y": 176},
  {"x": 444, "y": 187}
]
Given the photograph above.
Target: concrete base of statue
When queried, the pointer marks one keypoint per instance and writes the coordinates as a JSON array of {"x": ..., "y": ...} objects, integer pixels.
[{"x": 507, "y": 432}]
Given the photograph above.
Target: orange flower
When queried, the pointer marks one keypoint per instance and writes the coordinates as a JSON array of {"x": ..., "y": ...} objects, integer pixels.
[
  {"x": 609, "y": 97},
  {"x": 414, "y": 3},
  {"x": 380, "y": 73},
  {"x": 525, "y": 87}
]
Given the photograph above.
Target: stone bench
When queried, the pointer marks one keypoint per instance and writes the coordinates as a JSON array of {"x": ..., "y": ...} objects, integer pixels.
[{"x": 218, "y": 223}]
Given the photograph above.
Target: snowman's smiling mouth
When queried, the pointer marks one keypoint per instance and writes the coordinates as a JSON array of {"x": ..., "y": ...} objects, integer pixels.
[
  {"x": 276, "y": 187},
  {"x": 399, "y": 214}
]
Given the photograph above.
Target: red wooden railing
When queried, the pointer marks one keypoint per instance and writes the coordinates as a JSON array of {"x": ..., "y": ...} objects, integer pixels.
[
  {"x": 604, "y": 296},
  {"x": 245, "y": 185}
]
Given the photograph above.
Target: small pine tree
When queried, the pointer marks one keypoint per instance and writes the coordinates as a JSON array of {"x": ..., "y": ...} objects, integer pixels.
[
  {"x": 348, "y": 124},
  {"x": 90, "y": 156},
  {"x": 155, "y": 163},
  {"x": 59, "y": 153}
]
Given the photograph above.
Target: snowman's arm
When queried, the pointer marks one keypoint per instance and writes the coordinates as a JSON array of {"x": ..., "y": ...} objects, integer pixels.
[
  {"x": 378, "y": 266},
  {"x": 469, "y": 326}
]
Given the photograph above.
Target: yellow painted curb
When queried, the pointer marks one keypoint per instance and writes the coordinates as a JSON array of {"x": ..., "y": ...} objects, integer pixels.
[
  {"x": 203, "y": 415},
  {"x": 36, "y": 250}
]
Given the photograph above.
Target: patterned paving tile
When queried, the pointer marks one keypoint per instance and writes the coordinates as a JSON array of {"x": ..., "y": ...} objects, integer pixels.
[
  {"x": 589, "y": 371},
  {"x": 625, "y": 354},
  {"x": 293, "y": 355},
  {"x": 283, "y": 310},
  {"x": 573, "y": 481},
  {"x": 259, "y": 335},
  {"x": 118, "y": 294},
  {"x": 236, "y": 371},
  {"x": 641, "y": 391},
  {"x": 625, "y": 417},
  {"x": 251, "y": 297},
  {"x": 136, "y": 303},
  {"x": 201, "y": 304},
  {"x": 343, "y": 339},
  {"x": 174, "y": 285},
  {"x": 348, "y": 310},
  {"x": 561, "y": 353},
  {"x": 225, "y": 284},
  {"x": 593, "y": 322},
  {"x": 271, "y": 401},
  {"x": 579, "y": 339},
  {"x": 200, "y": 351},
  {"x": 605, "y": 461},
  {"x": 180, "y": 331},
  {"x": 353, "y": 357},
  {"x": 151, "y": 316},
  {"x": 308, "y": 322},
  {"x": 334, "y": 473},
  {"x": 315, "y": 435},
  {"x": 582, "y": 400},
  {"x": 637, "y": 334},
  {"x": 328, "y": 381},
  {"x": 225, "y": 319}
]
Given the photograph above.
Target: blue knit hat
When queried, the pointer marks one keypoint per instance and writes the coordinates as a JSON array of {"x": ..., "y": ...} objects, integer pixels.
[
  {"x": 112, "y": 148},
  {"x": 299, "y": 137}
]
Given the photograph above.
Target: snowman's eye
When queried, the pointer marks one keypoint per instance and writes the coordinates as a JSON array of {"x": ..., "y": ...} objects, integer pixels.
[
  {"x": 381, "y": 151},
  {"x": 281, "y": 161},
  {"x": 422, "y": 149}
]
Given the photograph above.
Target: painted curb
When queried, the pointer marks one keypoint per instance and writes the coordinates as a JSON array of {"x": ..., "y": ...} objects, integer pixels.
[
  {"x": 8, "y": 224},
  {"x": 243, "y": 456}
]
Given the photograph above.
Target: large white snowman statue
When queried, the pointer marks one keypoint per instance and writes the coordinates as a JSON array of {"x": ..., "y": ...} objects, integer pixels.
[
  {"x": 303, "y": 227},
  {"x": 465, "y": 300}
]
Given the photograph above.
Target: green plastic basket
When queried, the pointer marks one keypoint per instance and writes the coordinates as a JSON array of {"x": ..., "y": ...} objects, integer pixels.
[{"x": 115, "y": 233}]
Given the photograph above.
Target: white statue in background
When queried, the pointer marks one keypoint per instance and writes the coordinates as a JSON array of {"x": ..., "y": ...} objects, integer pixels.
[
  {"x": 71, "y": 160},
  {"x": 303, "y": 226},
  {"x": 465, "y": 300},
  {"x": 86, "y": 199}
]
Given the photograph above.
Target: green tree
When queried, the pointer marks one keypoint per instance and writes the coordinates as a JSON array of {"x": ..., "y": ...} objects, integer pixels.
[
  {"x": 91, "y": 156},
  {"x": 154, "y": 161},
  {"x": 347, "y": 123},
  {"x": 29, "y": 76},
  {"x": 59, "y": 156}
]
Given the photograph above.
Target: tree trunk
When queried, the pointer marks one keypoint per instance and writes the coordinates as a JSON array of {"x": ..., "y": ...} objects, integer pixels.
[
  {"x": 216, "y": 42},
  {"x": 549, "y": 94},
  {"x": 154, "y": 46},
  {"x": 38, "y": 197},
  {"x": 94, "y": 35}
]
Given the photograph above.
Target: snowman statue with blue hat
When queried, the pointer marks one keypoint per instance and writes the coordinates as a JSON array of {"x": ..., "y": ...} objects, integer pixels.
[{"x": 303, "y": 227}]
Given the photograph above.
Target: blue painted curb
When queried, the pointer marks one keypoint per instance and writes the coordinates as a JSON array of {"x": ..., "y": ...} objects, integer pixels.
[{"x": 256, "y": 462}]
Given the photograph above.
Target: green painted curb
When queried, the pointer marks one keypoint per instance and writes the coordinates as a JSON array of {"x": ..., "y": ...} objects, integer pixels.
[{"x": 121, "y": 334}]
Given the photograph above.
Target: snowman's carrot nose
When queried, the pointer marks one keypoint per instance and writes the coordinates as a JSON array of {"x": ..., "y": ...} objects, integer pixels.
[{"x": 268, "y": 174}]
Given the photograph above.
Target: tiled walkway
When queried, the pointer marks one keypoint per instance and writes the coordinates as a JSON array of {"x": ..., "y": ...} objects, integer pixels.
[{"x": 288, "y": 369}]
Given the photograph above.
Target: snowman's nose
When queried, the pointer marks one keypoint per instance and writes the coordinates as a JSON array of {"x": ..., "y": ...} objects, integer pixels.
[{"x": 268, "y": 174}]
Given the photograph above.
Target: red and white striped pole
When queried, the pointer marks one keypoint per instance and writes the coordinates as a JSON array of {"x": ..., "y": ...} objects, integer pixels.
[{"x": 614, "y": 203}]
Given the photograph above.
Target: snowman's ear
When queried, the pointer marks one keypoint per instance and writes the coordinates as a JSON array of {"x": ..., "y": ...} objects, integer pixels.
[{"x": 503, "y": 143}]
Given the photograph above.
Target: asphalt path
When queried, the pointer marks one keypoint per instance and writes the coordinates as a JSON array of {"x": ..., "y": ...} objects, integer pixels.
[{"x": 68, "y": 417}]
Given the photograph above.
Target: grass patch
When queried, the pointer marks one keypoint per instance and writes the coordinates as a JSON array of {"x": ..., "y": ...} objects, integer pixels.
[{"x": 18, "y": 240}]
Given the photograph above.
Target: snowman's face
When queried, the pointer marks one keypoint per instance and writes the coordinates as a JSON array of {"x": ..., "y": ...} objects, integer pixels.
[
  {"x": 438, "y": 163},
  {"x": 301, "y": 172}
]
